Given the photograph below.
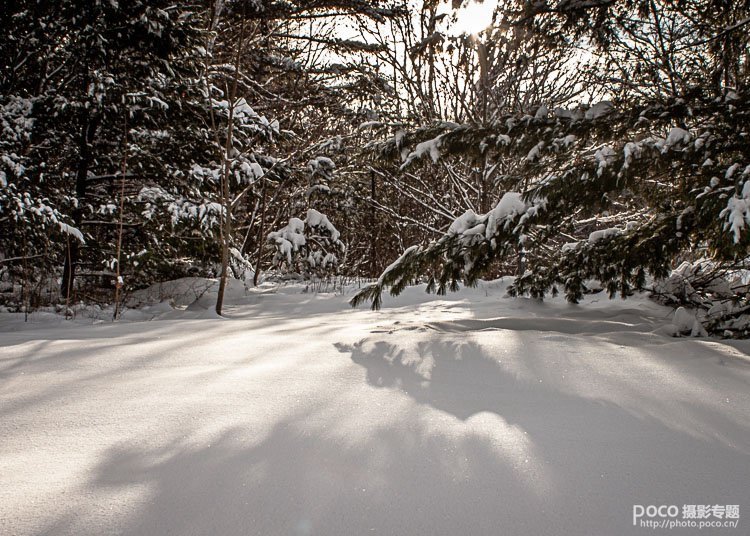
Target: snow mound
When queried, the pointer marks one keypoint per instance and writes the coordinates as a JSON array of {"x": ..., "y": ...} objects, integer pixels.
[
  {"x": 186, "y": 291},
  {"x": 438, "y": 415}
]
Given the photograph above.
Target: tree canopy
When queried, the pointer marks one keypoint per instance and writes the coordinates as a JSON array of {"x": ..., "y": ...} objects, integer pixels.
[{"x": 574, "y": 145}]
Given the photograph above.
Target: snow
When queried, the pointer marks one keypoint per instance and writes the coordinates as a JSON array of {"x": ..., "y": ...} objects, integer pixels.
[
  {"x": 731, "y": 170},
  {"x": 72, "y": 231},
  {"x": 466, "y": 414},
  {"x": 321, "y": 164},
  {"x": 289, "y": 238},
  {"x": 604, "y": 156},
  {"x": 465, "y": 221},
  {"x": 603, "y": 234},
  {"x": 12, "y": 161},
  {"x": 316, "y": 219},
  {"x": 686, "y": 322},
  {"x": 370, "y": 124},
  {"x": 535, "y": 152},
  {"x": 158, "y": 102},
  {"x": 630, "y": 151},
  {"x": 737, "y": 213},
  {"x": 317, "y": 188},
  {"x": 321, "y": 234},
  {"x": 509, "y": 206},
  {"x": 683, "y": 319},
  {"x": 599, "y": 110},
  {"x": 471, "y": 225},
  {"x": 571, "y": 115},
  {"x": 178, "y": 292},
  {"x": 476, "y": 230},
  {"x": 429, "y": 147},
  {"x": 252, "y": 170},
  {"x": 676, "y": 137},
  {"x": 408, "y": 251}
]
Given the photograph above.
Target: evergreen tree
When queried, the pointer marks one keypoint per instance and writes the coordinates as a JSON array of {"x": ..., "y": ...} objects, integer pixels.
[
  {"x": 615, "y": 191},
  {"x": 84, "y": 75}
]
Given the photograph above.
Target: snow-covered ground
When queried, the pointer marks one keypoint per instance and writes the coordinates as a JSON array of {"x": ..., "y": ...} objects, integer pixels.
[{"x": 466, "y": 414}]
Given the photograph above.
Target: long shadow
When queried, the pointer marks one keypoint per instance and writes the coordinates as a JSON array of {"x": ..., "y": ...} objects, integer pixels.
[
  {"x": 469, "y": 447},
  {"x": 584, "y": 441},
  {"x": 293, "y": 482},
  {"x": 457, "y": 375},
  {"x": 476, "y": 443},
  {"x": 60, "y": 369}
]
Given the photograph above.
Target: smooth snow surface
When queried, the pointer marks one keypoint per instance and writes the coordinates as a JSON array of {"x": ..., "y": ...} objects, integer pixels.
[{"x": 470, "y": 414}]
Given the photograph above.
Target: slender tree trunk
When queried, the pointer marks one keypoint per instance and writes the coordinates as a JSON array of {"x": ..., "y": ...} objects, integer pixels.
[
  {"x": 118, "y": 272},
  {"x": 88, "y": 131},
  {"x": 226, "y": 234},
  {"x": 226, "y": 228},
  {"x": 256, "y": 275},
  {"x": 373, "y": 227}
]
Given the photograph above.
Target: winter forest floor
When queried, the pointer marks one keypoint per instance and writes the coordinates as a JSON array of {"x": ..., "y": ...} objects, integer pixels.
[{"x": 470, "y": 414}]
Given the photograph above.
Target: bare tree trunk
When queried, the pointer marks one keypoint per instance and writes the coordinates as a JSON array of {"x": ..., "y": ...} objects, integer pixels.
[
  {"x": 226, "y": 234},
  {"x": 88, "y": 131},
  {"x": 373, "y": 227},
  {"x": 256, "y": 275},
  {"x": 124, "y": 170}
]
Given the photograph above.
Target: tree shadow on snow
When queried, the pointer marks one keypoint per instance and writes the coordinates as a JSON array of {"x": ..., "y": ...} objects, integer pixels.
[{"x": 451, "y": 442}]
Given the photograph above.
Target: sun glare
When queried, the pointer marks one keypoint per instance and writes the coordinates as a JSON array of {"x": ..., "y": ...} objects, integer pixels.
[{"x": 474, "y": 17}]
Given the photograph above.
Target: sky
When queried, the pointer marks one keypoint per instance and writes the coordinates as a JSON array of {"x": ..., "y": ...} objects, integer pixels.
[{"x": 473, "y": 17}]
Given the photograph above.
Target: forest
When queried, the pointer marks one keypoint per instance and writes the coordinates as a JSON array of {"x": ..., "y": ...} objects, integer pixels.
[
  {"x": 387, "y": 267},
  {"x": 577, "y": 145}
]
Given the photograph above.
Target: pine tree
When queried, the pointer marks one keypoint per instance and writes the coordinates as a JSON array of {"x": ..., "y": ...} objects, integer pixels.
[
  {"x": 616, "y": 191},
  {"x": 84, "y": 71}
]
